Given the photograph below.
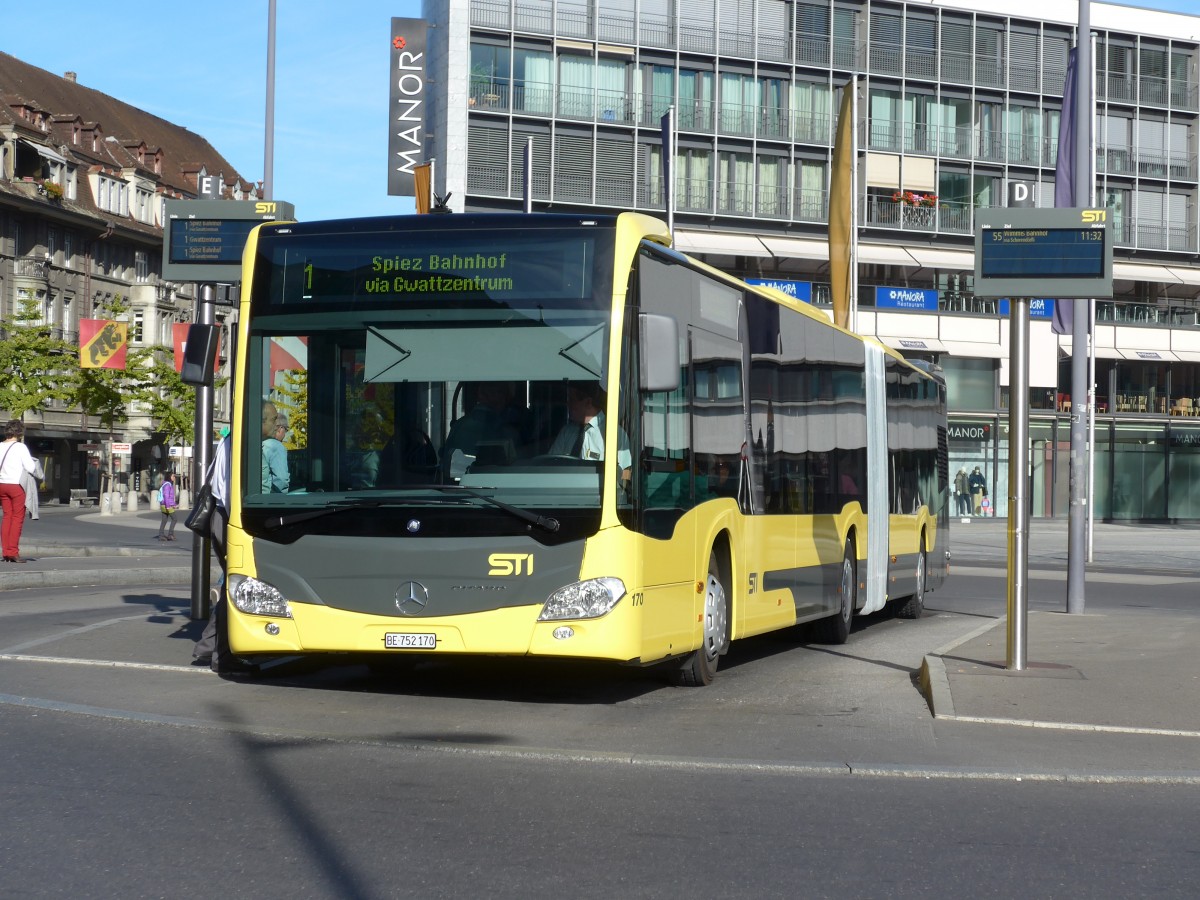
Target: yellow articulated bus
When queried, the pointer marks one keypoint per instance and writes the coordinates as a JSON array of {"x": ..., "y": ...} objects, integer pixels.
[{"x": 555, "y": 436}]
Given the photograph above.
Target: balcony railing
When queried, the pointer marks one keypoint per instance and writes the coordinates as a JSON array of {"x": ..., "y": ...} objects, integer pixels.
[{"x": 30, "y": 268}]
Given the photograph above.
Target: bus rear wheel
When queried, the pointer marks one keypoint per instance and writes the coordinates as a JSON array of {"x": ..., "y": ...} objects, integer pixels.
[
  {"x": 836, "y": 629},
  {"x": 912, "y": 607},
  {"x": 700, "y": 667}
]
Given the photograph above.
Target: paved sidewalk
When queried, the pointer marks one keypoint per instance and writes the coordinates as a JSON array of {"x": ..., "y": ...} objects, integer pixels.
[
  {"x": 1117, "y": 672},
  {"x": 68, "y": 547}
]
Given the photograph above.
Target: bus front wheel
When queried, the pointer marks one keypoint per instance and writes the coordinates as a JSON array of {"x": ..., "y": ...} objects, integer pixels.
[{"x": 700, "y": 667}]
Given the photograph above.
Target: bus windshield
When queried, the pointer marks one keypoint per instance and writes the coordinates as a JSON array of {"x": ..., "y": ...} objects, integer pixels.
[{"x": 392, "y": 364}]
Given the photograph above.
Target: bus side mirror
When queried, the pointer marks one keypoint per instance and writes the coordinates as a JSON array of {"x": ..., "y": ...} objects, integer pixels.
[
  {"x": 200, "y": 355},
  {"x": 658, "y": 350}
]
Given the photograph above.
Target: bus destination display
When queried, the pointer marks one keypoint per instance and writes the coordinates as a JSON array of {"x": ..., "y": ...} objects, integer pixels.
[
  {"x": 1043, "y": 253},
  {"x": 416, "y": 268}
]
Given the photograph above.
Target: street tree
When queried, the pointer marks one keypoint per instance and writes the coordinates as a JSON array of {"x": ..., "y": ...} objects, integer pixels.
[{"x": 35, "y": 367}]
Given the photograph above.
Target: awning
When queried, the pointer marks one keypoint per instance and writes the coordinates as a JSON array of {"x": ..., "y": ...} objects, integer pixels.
[
  {"x": 1098, "y": 352},
  {"x": 721, "y": 244},
  {"x": 796, "y": 248},
  {"x": 1187, "y": 355},
  {"x": 1186, "y": 275},
  {"x": 913, "y": 344},
  {"x": 886, "y": 256},
  {"x": 46, "y": 152},
  {"x": 972, "y": 348},
  {"x": 1124, "y": 271},
  {"x": 931, "y": 258},
  {"x": 1149, "y": 355}
]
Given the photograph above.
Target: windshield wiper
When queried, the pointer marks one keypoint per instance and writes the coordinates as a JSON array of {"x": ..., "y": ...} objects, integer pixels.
[
  {"x": 338, "y": 506},
  {"x": 548, "y": 522}
]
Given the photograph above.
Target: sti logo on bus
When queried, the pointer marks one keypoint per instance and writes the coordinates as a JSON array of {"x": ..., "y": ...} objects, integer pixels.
[{"x": 510, "y": 564}]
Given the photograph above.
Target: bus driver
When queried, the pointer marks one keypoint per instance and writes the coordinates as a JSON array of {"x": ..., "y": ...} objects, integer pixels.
[{"x": 583, "y": 435}]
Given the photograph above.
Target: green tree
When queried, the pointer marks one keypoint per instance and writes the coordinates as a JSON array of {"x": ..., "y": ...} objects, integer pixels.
[
  {"x": 169, "y": 401},
  {"x": 35, "y": 367},
  {"x": 291, "y": 398}
]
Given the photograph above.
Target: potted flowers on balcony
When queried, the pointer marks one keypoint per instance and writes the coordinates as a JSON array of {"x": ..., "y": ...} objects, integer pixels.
[
  {"x": 50, "y": 189},
  {"x": 910, "y": 198},
  {"x": 918, "y": 210}
]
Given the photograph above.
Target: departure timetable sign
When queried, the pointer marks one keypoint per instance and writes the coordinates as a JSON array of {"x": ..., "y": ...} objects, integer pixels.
[
  {"x": 203, "y": 239},
  {"x": 1057, "y": 253}
]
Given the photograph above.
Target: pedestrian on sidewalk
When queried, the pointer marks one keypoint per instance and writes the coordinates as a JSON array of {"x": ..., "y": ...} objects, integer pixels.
[
  {"x": 978, "y": 490},
  {"x": 168, "y": 504},
  {"x": 213, "y": 647},
  {"x": 16, "y": 462}
]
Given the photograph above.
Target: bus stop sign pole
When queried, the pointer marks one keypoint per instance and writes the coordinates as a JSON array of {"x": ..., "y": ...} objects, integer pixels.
[
  {"x": 1018, "y": 475},
  {"x": 201, "y": 549}
]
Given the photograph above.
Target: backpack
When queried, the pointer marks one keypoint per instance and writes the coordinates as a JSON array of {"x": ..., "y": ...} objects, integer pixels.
[{"x": 159, "y": 496}]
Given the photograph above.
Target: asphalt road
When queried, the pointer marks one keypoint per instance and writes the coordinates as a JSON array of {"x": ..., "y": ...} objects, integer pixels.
[{"x": 804, "y": 770}]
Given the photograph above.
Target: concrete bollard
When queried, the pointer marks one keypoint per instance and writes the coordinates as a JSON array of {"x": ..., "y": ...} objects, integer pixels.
[{"x": 131, "y": 501}]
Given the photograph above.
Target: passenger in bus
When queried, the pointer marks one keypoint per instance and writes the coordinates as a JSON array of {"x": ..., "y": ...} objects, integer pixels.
[
  {"x": 583, "y": 435},
  {"x": 275, "y": 478},
  {"x": 487, "y": 422},
  {"x": 364, "y": 456}
]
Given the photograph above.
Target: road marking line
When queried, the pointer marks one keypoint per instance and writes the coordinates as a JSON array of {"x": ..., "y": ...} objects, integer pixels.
[
  {"x": 104, "y": 663},
  {"x": 1071, "y": 726}
]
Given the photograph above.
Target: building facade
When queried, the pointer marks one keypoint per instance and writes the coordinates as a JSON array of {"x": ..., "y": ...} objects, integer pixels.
[
  {"x": 960, "y": 103},
  {"x": 83, "y": 182}
]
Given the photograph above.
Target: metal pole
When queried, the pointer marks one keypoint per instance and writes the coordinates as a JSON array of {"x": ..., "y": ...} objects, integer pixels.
[
  {"x": 1090, "y": 197},
  {"x": 1018, "y": 482},
  {"x": 269, "y": 143},
  {"x": 201, "y": 456},
  {"x": 1077, "y": 523},
  {"x": 854, "y": 198}
]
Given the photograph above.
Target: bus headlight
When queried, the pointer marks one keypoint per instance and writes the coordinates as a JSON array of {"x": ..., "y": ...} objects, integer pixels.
[
  {"x": 258, "y": 598},
  {"x": 583, "y": 600}
]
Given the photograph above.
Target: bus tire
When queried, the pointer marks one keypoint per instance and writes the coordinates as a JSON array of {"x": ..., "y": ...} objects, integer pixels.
[
  {"x": 912, "y": 607},
  {"x": 836, "y": 628},
  {"x": 700, "y": 667}
]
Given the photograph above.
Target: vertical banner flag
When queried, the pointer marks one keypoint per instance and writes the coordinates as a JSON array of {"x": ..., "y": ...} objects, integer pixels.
[
  {"x": 102, "y": 344},
  {"x": 406, "y": 117},
  {"x": 179, "y": 333},
  {"x": 841, "y": 209},
  {"x": 422, "y": 186},
  {"x": 1064, "y": 176},
  {"x": 668, "y": 164},
  {"x": 527, "y": 175}
]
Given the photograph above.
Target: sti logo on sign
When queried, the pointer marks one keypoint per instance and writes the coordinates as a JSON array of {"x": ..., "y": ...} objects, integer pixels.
[
  {"x": 406, "y": 131},
  {"x": 1092, "y": 216}
]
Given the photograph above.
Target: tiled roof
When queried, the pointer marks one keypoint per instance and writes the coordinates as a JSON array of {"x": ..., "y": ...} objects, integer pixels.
[{"x": 63, "y": 102}]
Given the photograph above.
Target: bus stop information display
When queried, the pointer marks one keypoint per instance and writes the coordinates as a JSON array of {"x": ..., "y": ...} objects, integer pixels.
[
  {"x": 207, "y": 241},
  {"x": 1059, "y": 253},
  {"x": 204, "y": 239}
]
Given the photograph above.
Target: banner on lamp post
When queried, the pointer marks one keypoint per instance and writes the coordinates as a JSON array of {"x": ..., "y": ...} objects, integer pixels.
[{"x": 102, "y": 344}]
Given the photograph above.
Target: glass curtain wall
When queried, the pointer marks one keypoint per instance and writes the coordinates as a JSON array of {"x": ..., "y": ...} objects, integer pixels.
[
  {"x": 1134, "y": 465},
  {"x": 695, "y": 100},
  {"x": 812, "y": 116},
  {"x": 533, "y": 81},
  {"x": 1183, "y": 496}
]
